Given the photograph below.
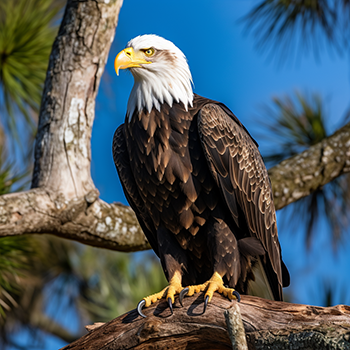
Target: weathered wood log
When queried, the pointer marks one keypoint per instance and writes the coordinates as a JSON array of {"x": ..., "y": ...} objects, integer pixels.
[{"x": 268, "y": 325}]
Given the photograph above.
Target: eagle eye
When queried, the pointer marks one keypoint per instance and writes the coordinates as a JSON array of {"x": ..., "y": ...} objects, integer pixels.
[{"x": 149, "y": 52}]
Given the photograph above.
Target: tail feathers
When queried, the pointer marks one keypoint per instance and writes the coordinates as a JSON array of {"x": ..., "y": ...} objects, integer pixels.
[
  {"x": 262, "y": 270},
  {"x": 261, "y": 286}
]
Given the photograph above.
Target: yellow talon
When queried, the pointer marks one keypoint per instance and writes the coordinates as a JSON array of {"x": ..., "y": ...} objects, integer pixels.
[
  {"x": 170, "y": 291},
  {"x": 215, "y": 284},
  {"x": 151, "y": 299}
]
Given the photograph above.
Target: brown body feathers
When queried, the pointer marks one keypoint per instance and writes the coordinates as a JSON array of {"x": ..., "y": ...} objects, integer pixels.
[{"x": 201, "y": 193}]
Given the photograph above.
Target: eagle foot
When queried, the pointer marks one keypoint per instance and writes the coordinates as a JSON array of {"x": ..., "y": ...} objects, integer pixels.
[
  {"x": 215, "y": 284},
  {"x": 169, "y": 293}
]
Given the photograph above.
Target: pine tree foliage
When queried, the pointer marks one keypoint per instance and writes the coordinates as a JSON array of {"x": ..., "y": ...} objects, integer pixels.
[
  {"x": 283, "y": 25},
  {"x": 27, "y": 31}
]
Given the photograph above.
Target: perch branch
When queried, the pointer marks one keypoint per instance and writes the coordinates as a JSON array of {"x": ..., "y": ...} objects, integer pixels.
[{"x": 267, "y": 324}]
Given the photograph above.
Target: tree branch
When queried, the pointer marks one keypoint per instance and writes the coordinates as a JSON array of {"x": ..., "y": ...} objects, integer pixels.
[
  {"x": 297, "y": 177},
  {"x": 64, "y": 200},
  {"x": 235, "y": 327},
  {"x": 268, "y": 324},
  {"x": 114, "y": 226},
  {"x": 88, "y": 220}
]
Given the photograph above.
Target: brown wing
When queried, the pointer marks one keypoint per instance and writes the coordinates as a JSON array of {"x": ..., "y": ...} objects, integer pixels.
[
  {"x": 240, "y": 173},
  {"x": 122, "y": 163}
]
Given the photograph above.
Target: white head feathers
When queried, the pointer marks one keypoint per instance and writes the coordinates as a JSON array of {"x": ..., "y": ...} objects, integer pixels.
[{"x": 166, "y": 79}]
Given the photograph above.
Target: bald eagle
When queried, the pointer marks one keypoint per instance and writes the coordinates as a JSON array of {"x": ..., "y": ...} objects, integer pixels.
[{"x": 196, "y": 181}]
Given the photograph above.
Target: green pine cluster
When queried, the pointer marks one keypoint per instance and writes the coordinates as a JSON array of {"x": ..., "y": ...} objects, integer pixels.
[
  {"x": 281, "y": 26},
  {"x": 27, "y": 31}
]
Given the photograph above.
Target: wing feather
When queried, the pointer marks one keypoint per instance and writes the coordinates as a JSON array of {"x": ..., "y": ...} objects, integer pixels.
[
  {"x": 241, "y": 176},
  {"x": 122, "y": 163}
]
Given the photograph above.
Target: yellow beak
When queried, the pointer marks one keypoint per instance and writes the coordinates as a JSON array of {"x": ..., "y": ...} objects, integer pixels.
[{"x": 128, "y": 58}]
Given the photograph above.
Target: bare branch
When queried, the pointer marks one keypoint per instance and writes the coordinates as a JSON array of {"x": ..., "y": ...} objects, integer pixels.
[
  {"x": 302, "y": 174},
  {"x": 64, "y": 200},
  {"x": 88, "y": 220},
  {"x": 235, "y": 327}
]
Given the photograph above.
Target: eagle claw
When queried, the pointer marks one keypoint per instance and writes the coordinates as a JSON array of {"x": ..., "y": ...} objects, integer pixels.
[
  {"x": 170, "y": 303},
  {"x": 182, "y": 294},
  {"x": 185, "y": 291},
  {"x": 205, "y": 304},
  {"x": 237, "y": 295},
  {"x": 140, "y": 305}
]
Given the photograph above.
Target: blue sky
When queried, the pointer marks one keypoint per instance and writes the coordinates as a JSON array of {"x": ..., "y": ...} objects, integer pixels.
[{"x": 227, "y": 67}]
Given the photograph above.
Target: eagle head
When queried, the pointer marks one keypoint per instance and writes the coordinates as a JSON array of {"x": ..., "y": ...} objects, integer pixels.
[{"x": 160, "y": 70}]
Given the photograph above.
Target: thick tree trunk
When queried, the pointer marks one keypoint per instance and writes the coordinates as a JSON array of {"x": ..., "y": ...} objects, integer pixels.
[{"x": 267, "y": 324}]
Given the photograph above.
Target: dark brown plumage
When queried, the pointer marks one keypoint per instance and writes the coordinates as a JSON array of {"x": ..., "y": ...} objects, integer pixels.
[{"x": 201, "y": 193}]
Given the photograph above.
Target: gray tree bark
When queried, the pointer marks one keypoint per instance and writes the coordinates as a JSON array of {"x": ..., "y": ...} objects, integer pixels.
[{"x": 304, "y": 173}]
